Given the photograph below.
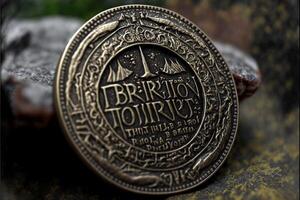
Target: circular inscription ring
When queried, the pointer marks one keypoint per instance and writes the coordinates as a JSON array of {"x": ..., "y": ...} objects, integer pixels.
[{"x": 146, "y": 100}]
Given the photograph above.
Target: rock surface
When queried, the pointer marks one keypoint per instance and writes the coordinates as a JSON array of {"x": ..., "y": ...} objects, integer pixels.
[
  {"x": 244, "y": 69},
  {"x": 33, "y": 50}
]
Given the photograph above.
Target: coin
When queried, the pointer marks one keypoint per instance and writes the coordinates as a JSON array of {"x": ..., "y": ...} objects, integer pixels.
[{"x": 146, "y": 100}]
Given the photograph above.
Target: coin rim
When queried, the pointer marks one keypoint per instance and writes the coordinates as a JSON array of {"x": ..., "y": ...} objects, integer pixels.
[{"x": 209, "y": 44}]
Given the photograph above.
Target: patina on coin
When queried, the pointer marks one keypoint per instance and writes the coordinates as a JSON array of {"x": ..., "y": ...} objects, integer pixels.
[{"x": 147, "y": 100}]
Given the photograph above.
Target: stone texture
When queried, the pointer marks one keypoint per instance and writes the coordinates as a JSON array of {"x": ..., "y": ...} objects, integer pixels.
[
  {"x": 34, "y": 46},
  {"x": 244, "y": 69},
  {"x": 32, "y": 51}
]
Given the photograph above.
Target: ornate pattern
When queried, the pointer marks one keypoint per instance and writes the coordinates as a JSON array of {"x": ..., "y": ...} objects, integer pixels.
[{"x": 79, "y": 75}]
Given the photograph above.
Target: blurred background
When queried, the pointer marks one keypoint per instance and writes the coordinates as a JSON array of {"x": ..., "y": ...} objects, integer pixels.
[{"x": 264, "y": 163}]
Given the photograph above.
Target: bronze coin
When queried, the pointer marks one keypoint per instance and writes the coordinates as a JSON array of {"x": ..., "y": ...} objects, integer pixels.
[{"x": 146, "y": 100}]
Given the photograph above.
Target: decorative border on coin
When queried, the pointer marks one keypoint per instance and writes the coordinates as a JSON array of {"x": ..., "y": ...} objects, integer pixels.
[{"x": 87, "y": 130}]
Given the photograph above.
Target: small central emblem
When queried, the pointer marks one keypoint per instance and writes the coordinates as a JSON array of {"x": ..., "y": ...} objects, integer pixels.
[{"x": 170, "y": 67}]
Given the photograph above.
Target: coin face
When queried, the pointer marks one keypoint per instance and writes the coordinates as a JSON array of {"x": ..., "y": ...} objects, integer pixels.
[{"x": 146, "y": 100}]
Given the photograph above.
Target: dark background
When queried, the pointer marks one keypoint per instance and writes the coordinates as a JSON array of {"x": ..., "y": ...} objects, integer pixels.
[{"x": 264, "y": 164}]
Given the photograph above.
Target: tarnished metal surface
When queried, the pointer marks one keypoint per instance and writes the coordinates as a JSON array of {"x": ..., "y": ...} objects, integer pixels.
[{"x": 146, "y": 100}]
